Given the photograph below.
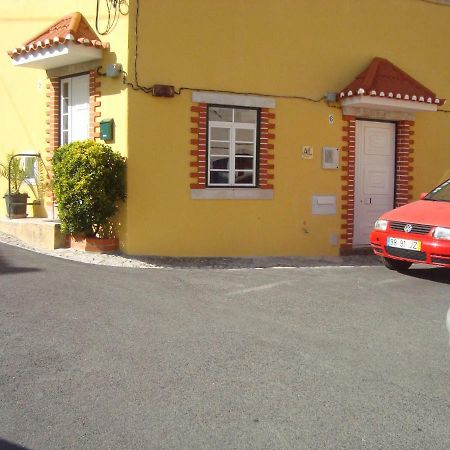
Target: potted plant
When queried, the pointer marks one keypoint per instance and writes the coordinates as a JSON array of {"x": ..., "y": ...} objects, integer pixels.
[
  {"x": 88, "y": 182},
  {"x": 39, "y": 185},
  {"x": 16, "y": 201}
]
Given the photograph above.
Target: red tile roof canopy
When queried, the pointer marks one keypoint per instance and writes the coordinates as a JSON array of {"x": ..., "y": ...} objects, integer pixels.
[
  {"x": 71, "y": 28},
  {"x": 384, "y": 79}
]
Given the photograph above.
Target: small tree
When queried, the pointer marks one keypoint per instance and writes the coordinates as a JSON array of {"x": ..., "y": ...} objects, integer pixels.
[{"x": 89, "y": 180}]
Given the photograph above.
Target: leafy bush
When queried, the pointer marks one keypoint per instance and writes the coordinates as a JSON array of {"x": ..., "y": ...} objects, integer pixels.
[{"x": 89, "y": 180}]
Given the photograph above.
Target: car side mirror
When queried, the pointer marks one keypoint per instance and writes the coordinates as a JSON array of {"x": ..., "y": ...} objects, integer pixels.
[{"x": 423, "y": 195}]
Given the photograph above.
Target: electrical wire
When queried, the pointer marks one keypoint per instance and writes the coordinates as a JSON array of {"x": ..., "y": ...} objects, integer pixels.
[
  {"x": 114, "y": 9},
  {"x": 295, "y": 97},
  {"x": 136, "y": 86},
  {"x": 149, "y": 89}
]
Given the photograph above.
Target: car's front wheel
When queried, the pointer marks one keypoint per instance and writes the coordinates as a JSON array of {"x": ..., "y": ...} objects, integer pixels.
[{"x": 396, "y": 264}]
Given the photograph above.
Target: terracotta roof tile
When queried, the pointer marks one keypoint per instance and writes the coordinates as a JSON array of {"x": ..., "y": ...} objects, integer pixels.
[
  {"x": 72, "y": 27},
  {"x": 384, "y": 79}
]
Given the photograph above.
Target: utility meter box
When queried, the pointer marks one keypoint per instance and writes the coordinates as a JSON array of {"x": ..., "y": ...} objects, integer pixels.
[
  {"x": 106, "y": 129},
  {"x": 324, "y": 204},
  {"x": 330, "y": 158}
]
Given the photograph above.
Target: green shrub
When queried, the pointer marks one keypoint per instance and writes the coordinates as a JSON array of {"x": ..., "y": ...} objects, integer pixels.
[{"x": 89, "y": 180}]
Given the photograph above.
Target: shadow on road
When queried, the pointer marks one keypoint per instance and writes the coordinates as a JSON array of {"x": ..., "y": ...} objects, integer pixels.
[
  {"x": 441, "y": 275},
  {"x": 5, "y": 268},
  {"x": 6, "y": 445}
]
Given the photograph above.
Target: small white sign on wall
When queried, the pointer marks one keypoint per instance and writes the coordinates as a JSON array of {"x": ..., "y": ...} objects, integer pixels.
[
  {"x": 324, "y": 204},
  {"x": 307, "y": 152}
]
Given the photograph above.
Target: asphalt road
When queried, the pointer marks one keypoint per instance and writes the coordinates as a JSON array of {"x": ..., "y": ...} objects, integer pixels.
[{"x": 97, "y": 357}]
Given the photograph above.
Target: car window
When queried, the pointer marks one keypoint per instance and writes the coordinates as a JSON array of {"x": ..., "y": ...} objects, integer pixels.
[{"x": 441, "y": 193}]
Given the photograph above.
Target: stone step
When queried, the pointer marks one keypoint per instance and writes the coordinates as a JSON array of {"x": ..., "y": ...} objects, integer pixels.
[{"x": 41, "y": 233}]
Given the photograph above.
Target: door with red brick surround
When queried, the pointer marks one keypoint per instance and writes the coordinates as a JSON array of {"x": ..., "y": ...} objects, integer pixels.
[{"x": 374, "y": 176}]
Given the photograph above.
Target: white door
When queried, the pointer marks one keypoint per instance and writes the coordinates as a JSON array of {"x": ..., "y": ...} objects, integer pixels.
[
  {"x": 74, "y": 109},
  {"x": 374, "y": 176}
]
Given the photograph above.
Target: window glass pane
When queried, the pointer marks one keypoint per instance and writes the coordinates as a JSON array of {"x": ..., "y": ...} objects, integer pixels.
[
  {"x": 65, "y": 90},
  {"x": 232, "y": 146},
  {"x": 219, "y": 134},
  {"x": 218, "y": 162},
  {"x": 245, "y": 135},
  {"x": 65, "y": 105},
  {"x": 242, "y": 177},
  {"x": 29, "y": 168},
  {"x": 220, "y": 114},
  {"x": 219, "y": 177},
  {"x": 219, "y": 148},
  {"x": 245, "y": 149},
  {"x": 243, "y": 163},
  {"x": 65, "y": 137},
  {"x": 245, "y": 115},
  {"x": 65, "y": 124}
]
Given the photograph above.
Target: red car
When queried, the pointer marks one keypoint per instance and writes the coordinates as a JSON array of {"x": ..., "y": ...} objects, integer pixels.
[{"x": 415, "y": 233}]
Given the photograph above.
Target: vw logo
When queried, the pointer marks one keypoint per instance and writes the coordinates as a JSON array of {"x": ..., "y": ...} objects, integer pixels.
[{"x": 408, "y": 228}]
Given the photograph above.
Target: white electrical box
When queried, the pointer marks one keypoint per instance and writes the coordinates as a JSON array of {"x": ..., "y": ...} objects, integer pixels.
[
  {"x": 330, "y": 158},
  {"x": 113, "y": 70},
  {"x": 324, "y": 204}
]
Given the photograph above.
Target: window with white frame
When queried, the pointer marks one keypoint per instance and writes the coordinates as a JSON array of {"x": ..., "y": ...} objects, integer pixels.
[
  {"x": 31, "y": 168},
  {"x": 232, "y": 146}
]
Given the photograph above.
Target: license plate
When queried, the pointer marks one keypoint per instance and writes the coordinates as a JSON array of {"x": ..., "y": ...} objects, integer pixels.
[{"x": 407, "y": 244}]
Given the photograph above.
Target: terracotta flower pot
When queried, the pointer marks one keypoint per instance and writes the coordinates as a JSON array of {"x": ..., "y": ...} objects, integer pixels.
[{"x": 93, "y": 244}]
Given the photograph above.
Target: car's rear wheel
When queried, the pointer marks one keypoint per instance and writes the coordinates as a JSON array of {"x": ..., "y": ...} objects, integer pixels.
[{"x": 396, "y": 264}]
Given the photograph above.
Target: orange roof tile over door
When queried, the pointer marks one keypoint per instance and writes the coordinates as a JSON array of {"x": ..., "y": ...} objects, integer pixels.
[
  {"x": 384, "y": 79},
  {"x": 72, "y": 27}
]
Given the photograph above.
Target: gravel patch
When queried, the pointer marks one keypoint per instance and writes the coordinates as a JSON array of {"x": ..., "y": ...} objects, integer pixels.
[{"x": 158, "y": 262}]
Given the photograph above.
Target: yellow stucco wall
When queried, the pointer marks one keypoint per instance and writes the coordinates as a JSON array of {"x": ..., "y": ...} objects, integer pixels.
[
  {"x": 299, "y": 48},
  {"x": 283, "y": 48}
]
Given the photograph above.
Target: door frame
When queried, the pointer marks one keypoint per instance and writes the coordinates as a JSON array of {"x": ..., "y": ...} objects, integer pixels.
[
  {"x": 403, "y": 172},
  {"x": 359, "y": 167},
  {"x": 69, "y": 82}
]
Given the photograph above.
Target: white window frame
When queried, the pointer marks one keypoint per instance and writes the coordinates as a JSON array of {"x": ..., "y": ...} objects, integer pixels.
[
  {"x": 233, "y": 126},
  {"x": 68, "y": 113},
  {"x": 23, "y": 162}
]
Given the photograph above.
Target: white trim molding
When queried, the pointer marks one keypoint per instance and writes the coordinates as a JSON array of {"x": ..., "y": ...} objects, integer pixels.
[
  {"x": 219, "y": 98},
  {"x": 57, "y": 56},
  {"x": 231, "y": 194},
  {"x": 371, "y": 107}
]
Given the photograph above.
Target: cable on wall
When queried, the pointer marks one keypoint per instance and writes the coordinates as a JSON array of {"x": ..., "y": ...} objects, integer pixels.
[
  {"x": 150, "y": 89},
  {"x": 295, "y": 97},
  {"x": 136, "y": 86},
  {"x": 114, "y": 8}
]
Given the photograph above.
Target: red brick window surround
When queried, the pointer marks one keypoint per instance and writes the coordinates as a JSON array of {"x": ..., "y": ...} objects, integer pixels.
[
  {"x": 198, "y": 140},
  {"x": 403, "y": 170},
  {"x": 199, "y": 152}
]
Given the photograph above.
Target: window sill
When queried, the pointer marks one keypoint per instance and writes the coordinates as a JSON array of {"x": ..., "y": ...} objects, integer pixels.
[{"x": 232, "y": 194}]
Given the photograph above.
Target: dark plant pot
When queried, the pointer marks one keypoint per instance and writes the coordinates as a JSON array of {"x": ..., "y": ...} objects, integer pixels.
[{"x": 16, "y": 205}]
